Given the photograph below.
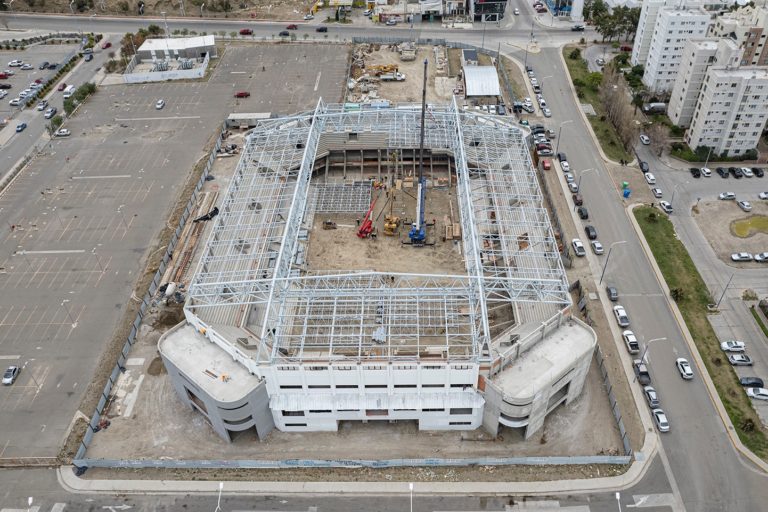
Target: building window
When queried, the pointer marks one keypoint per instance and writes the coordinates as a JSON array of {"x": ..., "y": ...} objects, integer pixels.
[
  {"x": 461, "y": 410},
  {"x": 290, "y": 387},
  {"x": 295, "y": 424},
  {"x": 404, "y": 386},
  {"x": 293, "y": 413},
  {"x": 460, "y": 423},
  {"x": 319, "y": 386},
  {"x": 319, "y": 411},
  {"x": 346, "y": 386},
  {"x": 433, "y": 410},
  {"x": 196, "y": 400}
]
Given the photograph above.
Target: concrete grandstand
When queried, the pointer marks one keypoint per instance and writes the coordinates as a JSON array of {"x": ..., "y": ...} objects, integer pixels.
[{"x": 293, "y": 322}]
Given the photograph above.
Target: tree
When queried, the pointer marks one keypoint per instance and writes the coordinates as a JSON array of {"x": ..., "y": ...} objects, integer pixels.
[
  {"x": 575, "y": 54},
  {"x": 155, "y": 30},
  {"x": 594, "y": 80},
  {"x": 659, "y": 135}
]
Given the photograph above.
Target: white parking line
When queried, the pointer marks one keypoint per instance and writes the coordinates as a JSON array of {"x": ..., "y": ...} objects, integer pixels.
[
  {"x": 62, "y": 251},
  {"x": 119, "y": 119},
  {"x": 10, "y": 357},
  {"x": 102, "y": 177}
]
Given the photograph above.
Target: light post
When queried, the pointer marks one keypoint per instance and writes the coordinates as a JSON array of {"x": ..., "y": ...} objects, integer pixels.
[
  {"x": 559, "y": 132},
  {"x": 585, "y": 171},
  {"x": 527, "y": 45},
  {"x": 708, "y": 155},
  {"x": 70, "y": 6},
  {"x": 181, "y": 3},
  {"x": 218, "y": 503},
  {"x": 410, "y": 488},
  {"x": 647, "y": 346},
  {"x": 724, "y": 290},
  {"x": 605, "y": 265},
  {"x": 69, "y": 314},
  {"x": 201, "y": 9}
]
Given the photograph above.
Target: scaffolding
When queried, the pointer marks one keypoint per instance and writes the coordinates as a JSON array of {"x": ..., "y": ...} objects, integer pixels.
[{"x": 252, "y": 277}]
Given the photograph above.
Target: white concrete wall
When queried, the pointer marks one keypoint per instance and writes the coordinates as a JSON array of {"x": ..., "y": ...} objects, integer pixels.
[{"x": 162, "y": 76}]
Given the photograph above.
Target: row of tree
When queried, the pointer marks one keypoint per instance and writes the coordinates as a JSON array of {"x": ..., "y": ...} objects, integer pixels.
[{"x": 619, "y": 23}]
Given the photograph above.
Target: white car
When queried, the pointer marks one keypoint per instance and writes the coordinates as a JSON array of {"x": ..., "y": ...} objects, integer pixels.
[
  {"x": 308, "y": 17},
  {"x": 26, "y": 67},
  {"x": 621, "y": 316},
  {"x": 744, "y": 205},
  {"x": 8, "y": 72},
  {"x": 41, "y": 106},
  {"x": 761, "y": 257},
  {"x": 516, "y": 12},
  {"x": 657, "y": 193},
  {"x": 684, "y": 368},
  {"x": 630, "y": 340},
  {"x": 573, "y": 187},
  {"x": 159, "y": 104},
  {"x": 566, "y": 166},
  {"x": 741, "y": 256},
  {"x": 706, "y": 172},
  {"x": 597, "y": 247},
  {"x": 15, "y": 102},
  {"x": 50, "y": 113},
  {"x": 758, "y": 393},
  {"x": 666, "y": 206},
  {"x": 650, "y": 178},
  {"x": 546, "y": 112},
  {"x": 23, "y": 94},
  {"x": 733, "y": 346},
  {"x": 763, "y": 195},
  {"x": 661, "y": 420},
  {"x": 3, "y": 94},
  {"x": 578, "y": 247},
  {"x": 727, "y": 196},
  {"x": 646, "y": 140},
  {"x": 747, "y": 172},
  {"x": 62, "y": 132},
  {"x": 15, "y": 63}
]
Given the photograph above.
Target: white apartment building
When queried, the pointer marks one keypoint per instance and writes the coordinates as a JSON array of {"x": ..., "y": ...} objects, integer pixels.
[
  {"x": 698, "y": 56},
  {"x": 673, "y": 28},
  {"x": 748, "y": 27},
  {"x": 732, "y": 110}
]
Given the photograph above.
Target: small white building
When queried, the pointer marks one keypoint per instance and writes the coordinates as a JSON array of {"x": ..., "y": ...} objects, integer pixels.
[
  {"x": 481, "y": 83},
  {"x": 177, "y": 48},
  {"x": 732, "y": 110},
  {"x": 673, "y": 28},
  {"x": 698, "y": 56}
]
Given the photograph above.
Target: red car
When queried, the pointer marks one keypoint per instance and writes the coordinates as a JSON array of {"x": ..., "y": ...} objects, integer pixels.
[
  {"x": 246, "y": 32},
  {"x": 292, "y": 27},
  {"x": 242, "y": 94},
  {"x": 105, "y": 45},
  {"x": 546, "y": 165},
  {"x": 61, "y": 87}
]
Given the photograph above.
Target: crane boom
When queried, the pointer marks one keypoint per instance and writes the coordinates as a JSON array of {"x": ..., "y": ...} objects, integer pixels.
[{"x": 418, "y": 232}]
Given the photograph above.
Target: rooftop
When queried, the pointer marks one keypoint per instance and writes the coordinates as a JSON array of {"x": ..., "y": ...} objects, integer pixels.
[
  {"x": 176, "y": 43},
  {"x": 481, "y": 81}
]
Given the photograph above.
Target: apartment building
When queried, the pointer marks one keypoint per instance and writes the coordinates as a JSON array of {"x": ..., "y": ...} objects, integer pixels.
[
  {"x": 748, "y": 27},
  {"x": 698, "y": 56},
  {"x": 674, "y": 26},
  {"x": 732, "y": 110}
]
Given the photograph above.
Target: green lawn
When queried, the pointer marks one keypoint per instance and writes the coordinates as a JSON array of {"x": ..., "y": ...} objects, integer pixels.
[
  {"x": 680, "y": 273},
  {"x": 606, "y": 134},
  {"x": 749, "y": 226}
]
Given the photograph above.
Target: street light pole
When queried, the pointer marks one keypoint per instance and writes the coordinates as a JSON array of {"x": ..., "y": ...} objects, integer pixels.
[
  {"x": 527, "y": 45},
  {"x": 605, "y": 266},
  {"x": 585, "y": 171},
  {"x": 724, "y": 290},
  {"x": 559, "y": 132},
  {"x": 410, "y": 488},
  {"x": 708, "y": 155},
  {"x": 648, "y": 345}
]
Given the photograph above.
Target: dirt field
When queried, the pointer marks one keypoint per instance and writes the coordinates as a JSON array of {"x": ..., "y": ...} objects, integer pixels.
[
  {"x": 341, "y": 249},
  {"x": 714, "y": 219},
  {"x": 245, "y": 9}
]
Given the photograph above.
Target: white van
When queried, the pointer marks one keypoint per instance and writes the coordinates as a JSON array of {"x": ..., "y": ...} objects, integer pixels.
[{"x": 69, "y": 91}]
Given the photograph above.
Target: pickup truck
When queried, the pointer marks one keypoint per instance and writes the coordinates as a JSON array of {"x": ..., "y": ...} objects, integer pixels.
[
  {"x": 62, "y": 132},
  {"x": 641, "y": 371}
]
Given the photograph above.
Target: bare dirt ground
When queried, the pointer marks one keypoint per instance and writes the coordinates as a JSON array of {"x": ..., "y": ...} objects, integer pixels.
[
  {"x": 341, "y": 249},
  {"x": 244, "y": 9},
  {"x": 714, "y": 219}
]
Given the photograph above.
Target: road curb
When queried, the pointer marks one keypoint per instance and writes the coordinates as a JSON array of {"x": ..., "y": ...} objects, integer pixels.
[{"x": 709, "y": 385}]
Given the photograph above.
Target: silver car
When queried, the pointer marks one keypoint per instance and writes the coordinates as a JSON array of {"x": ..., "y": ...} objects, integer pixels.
[
  {"x": 9, "y": 377},
  {"x": 661, "y": 420},
  {"x": 651, "y": 397}
]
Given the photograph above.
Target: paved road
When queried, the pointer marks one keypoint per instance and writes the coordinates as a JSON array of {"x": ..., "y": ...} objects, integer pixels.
[{"x": 712, "y": 478}]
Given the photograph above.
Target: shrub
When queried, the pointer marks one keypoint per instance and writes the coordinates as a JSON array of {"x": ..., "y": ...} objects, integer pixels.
[{"x": 575, "y": 54}]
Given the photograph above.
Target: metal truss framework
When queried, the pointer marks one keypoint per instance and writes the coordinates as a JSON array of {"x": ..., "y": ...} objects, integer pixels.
[{"x": 509, "y": 249}]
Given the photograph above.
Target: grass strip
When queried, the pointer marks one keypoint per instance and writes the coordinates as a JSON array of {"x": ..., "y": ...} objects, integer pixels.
[
  {"x": 759, "y": 320},
  {"x": 686, "y": 284}
]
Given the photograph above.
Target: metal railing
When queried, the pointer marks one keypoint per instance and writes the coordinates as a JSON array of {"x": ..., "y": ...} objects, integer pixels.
[{"x": 614, "y": 404}]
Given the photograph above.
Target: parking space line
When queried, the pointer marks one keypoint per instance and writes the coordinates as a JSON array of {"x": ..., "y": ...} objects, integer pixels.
[
  {"x": 10, "y": 358},
  {"x": 116, "y": 176}
]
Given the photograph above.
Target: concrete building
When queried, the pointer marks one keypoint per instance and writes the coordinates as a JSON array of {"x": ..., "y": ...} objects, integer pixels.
[
  {"x": 481, "y": 85},
  {"x": 177, "y": 48},
  {"x": 275, "y": 337},
  {"x": 748, "y": 27},
  {"x": 732, "y": 110},
  {"x": 698, "y": 56},
  {"x": 673, "y": 28}
]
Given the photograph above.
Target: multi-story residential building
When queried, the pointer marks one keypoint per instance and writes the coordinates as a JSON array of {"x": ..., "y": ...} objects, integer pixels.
[
  {"x": 673, "y": 28},
  {"x": 748, "y": 27},
  {"x": 645, "y": 26},
  {"x": 698, "y": 56},
  {"x": 731, "y": 111}
]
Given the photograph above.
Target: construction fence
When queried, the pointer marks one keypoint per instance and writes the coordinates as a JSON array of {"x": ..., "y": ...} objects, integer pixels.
[{"x": 93, "y": 426}]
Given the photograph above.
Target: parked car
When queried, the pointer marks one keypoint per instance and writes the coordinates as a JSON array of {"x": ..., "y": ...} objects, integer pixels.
[
  {"x": 747, "y": 172},
  {"x": 666, "y": 206},
  {"x": 646, "y": 140},
  {"x": 308, "y": 17},
  {"x": 242, "y": 94},
  {"x": 661, "y": 420},
  {"x": 61, "y": 87},
  {"x": 546, "y": 164},
  {"x": 684, "y": 368},
  {"x": 577, "y": 199},
  {"x": 26, "y": 67},
  {"x": 562, "y": 157},
  {"x": 43, "y": 65},
  {"x": 612, "y": 292},
  {"x": 650, "y": 178},
  {"x": 50, "y": 113},
  {"x": 695, "y": 172},
  {"x": 651, "y": 397},
  {"x": 88, "y": 57},
  {"x": 740, "y": 360},
  {"x": 583, "y": 212},
  {"x": 105, "y": 45},
  {"x": 578, "y": 28},
  {"x": 657, "y": 193},
  {"x": 751, "y": 382},
  {"x": 591, "y": 232},
  {"x": 706, "y": 172},
  {"x": 641, "y": 372},
  {"x": 15, "y": 63},
  {"x": 565, "y": 165},
  {"x": 758, "y": 172},
  {"x": 733, "y": 346},
  {"x": 741, "y": 256},
  {"x": 763, "y": 195},
  {"x": 757, "y": 393},
  {"x": 597, "y": 247},
  {"x": 722, "y": 172},
  {"x": 621, "y": 315},
  {"x": 644, "y": 167},
  {"x": 727, "y": 196},
  {"x": 578, "y": 247},
  {"x": 21, "y": 127},
  {"x": 159, "y": 104},
  {"x": 761, "y": 257},
  {"x": 546, "y": 112},
  {"x": 6, "y": 86},
  {"x": 391, "y": 22},
  {"x": 41, "y": 106},
  {"x": 630, "y": 340},
  {"x": 745, "y": 205},
  {"x": 15, "y": 102},
  {"x": 62, "y": 132},
  {"x": 10, "y": 375}
]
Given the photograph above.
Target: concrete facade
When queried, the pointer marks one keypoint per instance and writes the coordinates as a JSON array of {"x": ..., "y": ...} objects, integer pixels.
[
  {"x": 177, "y": 48},
  {"x": 748, "y": 27},
  {"x": 698, "y": 56},
  {"x": 732, "y": 110},
  {"x": 672, "y": 29}
]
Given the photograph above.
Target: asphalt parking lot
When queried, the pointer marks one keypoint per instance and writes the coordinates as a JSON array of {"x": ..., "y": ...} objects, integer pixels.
[
  {"x": 79, "y": 221},
  {"x": 282, "y": 79}
]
